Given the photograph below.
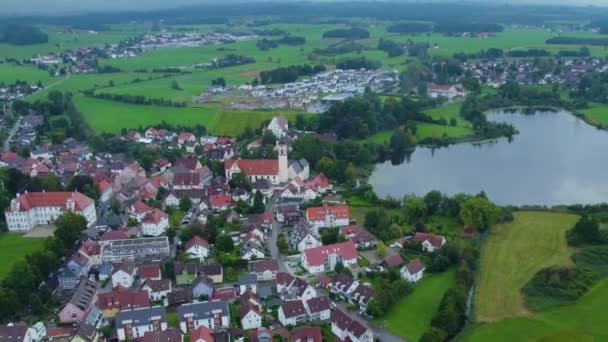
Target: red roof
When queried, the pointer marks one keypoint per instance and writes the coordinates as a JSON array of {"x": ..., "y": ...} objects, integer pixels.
[
  {"x": 90, "y": 248},
  {"x": 434, "y": 240},
  {"x": 255, "y": 335},
  {"x": 140, "y": 207},
  {"x": 414, "y": 266},
  {"x": 349, "y": 230},
  {"x": 169, "y": 335},
  {"x": 318, "y": 213},
  {"x": 219, "y": 201},
  {"x": 121, "y": 299},
  {"x": 324, "y": 280},
  {"x": 114, "y": 235},
  {"x": 227, "y": 294},
  {"x": 307, "y": 334},
  {"x": 159, "y": 181},
  {"x": 252, "y": 167},
  {"x": 293, "y": 308},
  {"x": 149, "y": 271},
  {"x": 196, "y": 240},
  {"x": 183, "y": 136},
  {"x": 104, "y": 185},
  {"x": 393, "y": 260},
  {"x": 316, "y": 256},
  {"x": 58, "y": 332},
  {"x": 31, "y": 200},
  {"x": 201, "y": 334},
  {"x": 155, "y": 216}
]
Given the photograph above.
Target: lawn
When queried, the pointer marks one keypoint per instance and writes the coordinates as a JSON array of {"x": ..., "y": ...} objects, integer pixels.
[
  {"x": 584, "y": 320},
  {"x": 448, "y": 111},
  {"x": 426, "y": 130},
  {"x": 513, "y": 253},
  {"x": 14, "y": 247},
  {"x": 172, "y": 319},
  {"x": 597, "y": 113},
  {"x": 411, "y": 315}
]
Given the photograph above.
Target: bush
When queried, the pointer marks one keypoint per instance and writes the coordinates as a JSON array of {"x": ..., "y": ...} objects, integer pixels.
[
  {"x": 585, "y": 231},
  {"x": 556, "y": 285},
  {"x": 593, "y": 258}
]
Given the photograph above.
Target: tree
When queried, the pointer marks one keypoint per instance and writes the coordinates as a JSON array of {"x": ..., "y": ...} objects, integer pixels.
[
  {"x": 586, "y": 230},
  {"x": 258, "y": 204},
  {"x": 471, "y": 84},
  {"x": 433, "y": 200},
  {"x": 185, "y": 203},
  {"x": 175, "y": 85},
  {"x": 69, "y": 227},
  {"x": 224, "y": 243},
  {"x": 414, "y": 208},
  {"x": 479, "y": 213},
  {"x": 381, "y": 249},
  {"x": 168, "y": 269},
  {"x": 171, "y": 233},
  {"x": 398, "y": 142},
  {"x": 9, "y": 303}
]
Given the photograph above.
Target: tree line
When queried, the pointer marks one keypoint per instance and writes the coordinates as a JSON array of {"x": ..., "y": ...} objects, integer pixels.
[
  {"x": 267, "y": 44},
  {"x": 22, "y": 35},
  {"x": 350, "y": 33},
  {"x": 358, "y": 63},
  {"x": 562, "y": 40},
  {"x": 289, "y": 74},
  {"x": 409, "y": 28},
  {"x": 135, "y": 99}
]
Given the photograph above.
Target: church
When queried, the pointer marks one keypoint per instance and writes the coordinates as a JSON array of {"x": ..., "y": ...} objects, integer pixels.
[{"x": 275, "y": 171}]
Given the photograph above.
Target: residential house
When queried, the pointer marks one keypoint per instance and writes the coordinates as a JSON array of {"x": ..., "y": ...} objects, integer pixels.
[
  {"x": 66, "y": 279},
  {"x": 119, "y": 299},
  {"x": 252, "y": 249},
  {"x": 185, "y": 273},
  {"x": 289, "y": 287},
  {"x": 179, "y": 296},
  {"x": 81, "y": 303},
  {"x": 264, "y": 270},
  {"x": 19, "y": 333},
  {"x": 138, "y": 210},
  {"x": 307, "y": 334},
  {"x": 328, "y": 216},
  {"x": 202, "y": 334},
  {"x": 212, "y": 315},
  {"x": 261, "y": 335},
  {"x": 169, "y": 335},
  {"x": 412, "y": 271},
  {"x": 448, "y": 91},
  {"x": 247, "y": 282},
  {"x": 197, "y": 248},
  {"x": 279, "y": 126},
  {"x": 430, "y": 242},
  {"x": 318, "y": 308},
  {"x": 158, "y": 290},
  {"x": 134, "y": 324},
  {"x": 304, "y": 236},
  {"x": 149, "y": 272},
  {"x": 351, "y": 290},
  {"x": 86, "y": 332},
  {"x": 124, "y": 274},
  {"x": 226, "y": 294},
  {"x": 325, "y": 258},
  {"x": 347, "y": 328},
  {"x": 393, "y": 260},
  {"x": 155, "y": 223},
  {"x": 220, "y": 202},
  {"x": 190, "y": 164},
  {"x": 292, "y": 312},
  {"x": 202, "y": 287},
  {"x": 250, "y": 311}
]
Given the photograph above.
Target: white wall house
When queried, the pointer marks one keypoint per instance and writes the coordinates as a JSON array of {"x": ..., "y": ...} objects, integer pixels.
[
  {"x": 133, "y": 324},
  {"x": 413, "y": 271},
  {"x": 155, "y": 223}
]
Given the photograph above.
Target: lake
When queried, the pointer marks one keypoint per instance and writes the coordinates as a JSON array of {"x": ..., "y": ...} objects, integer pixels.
[{"x": 555, "y": 159}]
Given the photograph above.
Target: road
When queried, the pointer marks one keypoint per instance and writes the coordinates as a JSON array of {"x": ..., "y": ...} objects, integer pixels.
[
  {"x": 17, "y": 124},
  {"x": 274, "y": 236}
]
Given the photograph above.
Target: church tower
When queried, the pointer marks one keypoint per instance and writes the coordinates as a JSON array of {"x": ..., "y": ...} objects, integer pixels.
[{"x": 283, "y": 162}]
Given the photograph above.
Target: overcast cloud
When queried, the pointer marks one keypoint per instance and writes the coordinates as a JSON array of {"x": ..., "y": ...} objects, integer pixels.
[{"x": 53, "y": 7}]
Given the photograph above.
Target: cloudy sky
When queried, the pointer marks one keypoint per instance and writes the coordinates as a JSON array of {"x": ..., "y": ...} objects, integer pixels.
[{"x": 77, "y": 6}]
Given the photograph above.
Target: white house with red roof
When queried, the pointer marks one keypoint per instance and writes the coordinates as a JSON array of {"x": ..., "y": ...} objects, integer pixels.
[
  {"x": 328, "y": 216},
  {"x": 28, "y": 210},
  {"x": 155, "y": 223},
  {"x": 324, "y": 258},
  {"x": 138, "y": 210},
  {"x": 346, "y": 328},
  {"x": 105, "y": 190},
  {"x": 185, "y": 137},
  {"x": 430, "y": 242},
  {"x": 197, "y": 248},
  {"x": 413, "y": 271},
  {"x": 124, "y": 274},
  {"x": 220, "y": 202},
  {"x": 275, "y": 171},
  {"x": 448, "y": 91},
  {"x": 279, "y": 126}
]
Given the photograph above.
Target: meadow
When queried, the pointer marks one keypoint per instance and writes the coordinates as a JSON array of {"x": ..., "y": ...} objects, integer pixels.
[
  {"x": 512, "y": 254},
  {"x": 596, "y": 114},
  {"x": 411, "y": 316},
  {"x": 9, "y": 73},
  {"x": 14, "y": 247}
]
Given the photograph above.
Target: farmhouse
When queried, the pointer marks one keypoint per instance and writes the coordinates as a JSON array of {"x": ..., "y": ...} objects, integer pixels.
[
  {"x": 325, "y": 258},
  {"x": 30, "y": 209}
]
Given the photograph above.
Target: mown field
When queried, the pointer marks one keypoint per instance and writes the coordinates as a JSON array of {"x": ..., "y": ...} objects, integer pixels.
[
  {"x": 13, "y": 247},
  {"x": 411, "y": 315},
  {"x": 513, "y": 253},
  {"x": 597, "y": 113}
]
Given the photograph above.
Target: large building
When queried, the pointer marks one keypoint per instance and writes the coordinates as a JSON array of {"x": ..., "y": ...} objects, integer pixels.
[
  {"x": 30, "y": 209},
  {"x": 274, "y": 171},
  {"x": 328, "y": 216},
  {"x": 325, "y": 258},
  {"x": 148, "y": 249}
]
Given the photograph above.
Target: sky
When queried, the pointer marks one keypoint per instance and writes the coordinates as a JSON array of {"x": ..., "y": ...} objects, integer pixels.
[{"x": 54, "y": 7}]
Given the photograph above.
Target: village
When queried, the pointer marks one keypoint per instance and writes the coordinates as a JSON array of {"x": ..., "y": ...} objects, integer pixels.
[{"x": 258, "y": 274}]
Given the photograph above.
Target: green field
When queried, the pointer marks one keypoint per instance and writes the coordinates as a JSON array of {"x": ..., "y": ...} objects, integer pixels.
[
  {"x": 14, "y": 247},
  {"x": 583, "y": 321},
  {"x": 9, "y": 73},
  {"x": 111, "y": 117},
  {"x": 597, "y": 113},
  {"x": 513, "y": 253},
  {"x": 411, "y": 315}
]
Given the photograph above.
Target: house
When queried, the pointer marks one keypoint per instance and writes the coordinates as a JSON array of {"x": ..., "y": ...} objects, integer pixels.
[
  {"x": 179, "y": 296},
  {"x": 448, "y": 91},
  {"x": 169, "y": 335},
  {"x": 304, "y": 236},
  {"x": 394, "y": 260},
  {"x": 19, "y": 333},
  {"x": 307, "y": 334},
  {"x": 202, "y": 287},
  {"x": 413, "y": 271},
  {"x": 134, "y": 324},
  {"x": 213, "y": 271},
  {"x": 226, "y": 294},
  {"x": 250, "y": 311},
  {"x": 86, "y": 332},
  {"x": 292, "y": 312},
  {"x": 185, "y": 137},
  {"x": 155, "y": 223},
  {"x": 430, "y": 242},
  {"x": 279, "y": 126},
  {"x": 351, "y": 290},
  {"x": 287, "y": 213},
  {"x": 345, "y": 327},
  {"x": 197, "y": 248},
  {"x": 80, "y": 304},
  {"x": 247, "y": 282},
  {"x": 110, "y": 303},
  {"x": 189, "y": 163},
  {"x": 328, "y": 216},
  {"x": 261, "y": 335},
  {"x": 318, "y": 308},
  {"x": 158, "y": 290},
  {"x": 289, "y": 287},
  {"x": 202, "y": 334},
  {"x": 79, "y": 265},
  {"x": 31, "y": 209},
  {"x": 171, "y": 200},
  {"x": 220, "y": 202},
  {"x": 252, "y": 249},
  {"x": 274, "y": 171},
  {"x": 264, "y": 270},
  {"x": 187, "y": 181},
  {"x": 186, "y": 272},
  {"x": 66, "y": 279},
  {"x": 124, "y": 274},
  {"x": 149, "y": 272},
  {"x": 325, "y": 258},
  {"x": 152, "y": 249},
  {"x": 138, "y": 210},
  {"x": 212, "y": 315},
  {"x": 91, "y": 250}
]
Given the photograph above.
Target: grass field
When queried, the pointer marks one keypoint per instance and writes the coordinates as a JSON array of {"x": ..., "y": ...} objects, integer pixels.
[
  {"x": 583, "y": 321},
  {"x": 513, "y": 253},
  {"x": 597, "y": 113},
  {"x": 411, "y": 315},
  {"x": 9, "y": 73},
  {"x": 14, "y": 247}
]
